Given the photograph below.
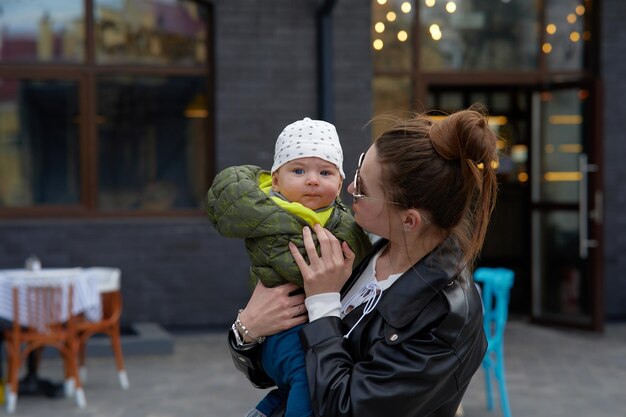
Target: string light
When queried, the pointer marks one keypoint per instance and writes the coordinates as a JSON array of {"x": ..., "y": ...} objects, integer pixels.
[
  {"x": 435, "y": 31},
  {"x": 522, "y": 177}
]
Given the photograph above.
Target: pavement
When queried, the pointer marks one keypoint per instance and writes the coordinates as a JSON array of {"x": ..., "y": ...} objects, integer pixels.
[{"x": 550, "y": 373}]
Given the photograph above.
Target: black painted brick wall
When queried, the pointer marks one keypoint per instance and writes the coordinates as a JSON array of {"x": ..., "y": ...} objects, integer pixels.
[
  {"x": 175, "y": 272},
  {"x": 613, "y": 67}
]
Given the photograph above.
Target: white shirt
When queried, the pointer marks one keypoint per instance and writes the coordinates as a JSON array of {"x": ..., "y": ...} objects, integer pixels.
[{"x": 331, "y": 304}]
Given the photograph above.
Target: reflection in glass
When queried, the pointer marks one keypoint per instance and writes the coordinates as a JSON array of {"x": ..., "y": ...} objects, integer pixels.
[
  {"x": 479, "y": 35},
  {"x": 153, "y": 142},
  {"x": 565, "y": 34},
  {"x": 561, "y": 143},
  {"x": 392, "y": 25},
  {"x": 392, "y": 96},
  {"x": 451, "y": 101},
  {"x": 38, "y": 143},
  {"x": 42, "y": 31},
  {"x": 155, "y": 32},
  {"x": 564, "y": 289},
  {"x": 509, "y": 119}
]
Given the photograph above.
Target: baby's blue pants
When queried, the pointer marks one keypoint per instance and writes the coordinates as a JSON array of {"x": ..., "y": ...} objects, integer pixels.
[{"x": 283, "y": 360}]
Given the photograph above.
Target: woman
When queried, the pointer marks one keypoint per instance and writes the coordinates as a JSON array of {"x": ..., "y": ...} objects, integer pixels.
[{"x": 402, "y": 333}]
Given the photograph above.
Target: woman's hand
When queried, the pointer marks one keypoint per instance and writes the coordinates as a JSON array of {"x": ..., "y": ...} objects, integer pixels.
[
  {"x": 272, "y": 310},
  {"x": 328, "y": 272}
]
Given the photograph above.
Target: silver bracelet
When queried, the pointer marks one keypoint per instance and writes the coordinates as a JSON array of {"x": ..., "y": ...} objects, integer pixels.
[
  {"x": 237, "y": 335},
  {"x": 239, "y": 325}
]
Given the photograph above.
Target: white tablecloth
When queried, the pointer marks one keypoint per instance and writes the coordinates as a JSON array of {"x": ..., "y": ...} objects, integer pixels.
[{"x": 88, "y": 284}]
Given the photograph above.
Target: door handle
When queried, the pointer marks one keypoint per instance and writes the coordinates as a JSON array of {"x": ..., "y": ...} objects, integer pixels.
[
  {"x": 583, "y": 207},
  {"x": 596, "y": 213}
]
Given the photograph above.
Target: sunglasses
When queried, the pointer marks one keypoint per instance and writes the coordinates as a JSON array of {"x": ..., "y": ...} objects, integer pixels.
[{"x": 357, "y": 193}]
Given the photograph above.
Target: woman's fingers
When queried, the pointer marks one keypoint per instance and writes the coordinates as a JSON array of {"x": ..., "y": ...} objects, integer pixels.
[
  {"x": 298, "y": 310},
  {"x": 327, "y": 271},
  {"x": 302, "y": 265},
  {"x": 294, "y": 321},
  {"x": 337, "y": 251},
  {"x": 309, "y": 244},
  {"x": 329, "y": 244},
  {"x": 330, "y": 247},
  {"x": 348, "y": 254}
]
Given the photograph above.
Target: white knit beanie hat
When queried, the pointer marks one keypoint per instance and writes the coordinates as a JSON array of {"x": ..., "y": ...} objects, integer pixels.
[{"x": 306, "y": 138}]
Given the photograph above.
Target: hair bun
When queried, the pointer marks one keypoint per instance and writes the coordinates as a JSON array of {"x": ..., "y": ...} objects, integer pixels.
[{"x": 465, "y": 135}]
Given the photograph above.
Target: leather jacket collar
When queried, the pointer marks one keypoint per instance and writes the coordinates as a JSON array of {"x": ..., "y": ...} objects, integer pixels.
[{"x": 408, "y": 296}]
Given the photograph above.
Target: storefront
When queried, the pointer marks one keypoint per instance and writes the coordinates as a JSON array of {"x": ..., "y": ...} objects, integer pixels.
[
  {"x": 115, "y": 115},
  {"x": 535, "y": 67}
]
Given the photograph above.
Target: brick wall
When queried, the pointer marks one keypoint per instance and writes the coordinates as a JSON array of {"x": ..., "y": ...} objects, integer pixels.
[
  {"x": 613, "y": 67},
  {"x": 266, "y": 76},
  {"x": 175, "y": 272}
]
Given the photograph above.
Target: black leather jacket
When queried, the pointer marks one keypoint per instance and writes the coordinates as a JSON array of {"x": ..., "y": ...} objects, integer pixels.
[{"x": 414, "y": 355}]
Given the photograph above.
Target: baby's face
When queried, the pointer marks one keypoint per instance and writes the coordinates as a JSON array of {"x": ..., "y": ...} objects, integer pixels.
[{"x": 310, "y": 181}]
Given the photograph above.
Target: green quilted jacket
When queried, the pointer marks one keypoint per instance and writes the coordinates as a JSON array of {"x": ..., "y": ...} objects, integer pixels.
[{"x": 237, "y": 207}]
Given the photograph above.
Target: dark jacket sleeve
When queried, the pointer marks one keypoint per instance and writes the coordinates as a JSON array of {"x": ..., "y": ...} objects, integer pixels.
[
  {"x": 232, "y": 202},
  {"x": 419, "y": 376},
  {"x": 272, "y": 261},
  {"x": 247, "y": 360}
]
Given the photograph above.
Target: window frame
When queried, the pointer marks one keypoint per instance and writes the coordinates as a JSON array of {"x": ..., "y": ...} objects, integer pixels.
[{"x": 86, "y": 74}]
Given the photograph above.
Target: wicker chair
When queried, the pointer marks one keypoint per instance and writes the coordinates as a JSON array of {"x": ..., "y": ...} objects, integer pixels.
[
  {"x": 111, "y": 296},
  {"x": 42, "y": 317}
]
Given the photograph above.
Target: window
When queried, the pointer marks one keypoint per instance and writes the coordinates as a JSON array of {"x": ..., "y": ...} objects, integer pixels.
[
  {"x": 108, "y": 115},
  {"x": 151, "y": 143},
  {"x": 392, "y": 46},
  {"x": 39, "y": 142},
  {"x": 418, "y": 45},
  {"x": 477, "y": 35}
]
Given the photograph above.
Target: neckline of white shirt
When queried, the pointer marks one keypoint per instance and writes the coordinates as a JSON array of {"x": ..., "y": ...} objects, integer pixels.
[
  {"x": 331, "y": 304},
  {"x": 368, "y": 275}
]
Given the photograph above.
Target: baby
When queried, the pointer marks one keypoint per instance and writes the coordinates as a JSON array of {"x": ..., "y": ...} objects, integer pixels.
[{"x": 268, "y": 210}]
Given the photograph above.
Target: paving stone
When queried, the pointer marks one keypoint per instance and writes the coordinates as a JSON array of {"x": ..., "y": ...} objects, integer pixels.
[{"x": 550, "y": 373}]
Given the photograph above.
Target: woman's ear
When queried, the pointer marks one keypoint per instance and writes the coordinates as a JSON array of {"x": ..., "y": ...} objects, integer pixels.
[{"x": 412, "y": 218}]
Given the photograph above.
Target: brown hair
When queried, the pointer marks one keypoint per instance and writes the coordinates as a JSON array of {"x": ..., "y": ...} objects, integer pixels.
[{"x": 445, "y": 167}]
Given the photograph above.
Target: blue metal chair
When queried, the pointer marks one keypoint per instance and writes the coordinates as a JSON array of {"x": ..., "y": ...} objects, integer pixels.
[{"x": 496, "y": 287}]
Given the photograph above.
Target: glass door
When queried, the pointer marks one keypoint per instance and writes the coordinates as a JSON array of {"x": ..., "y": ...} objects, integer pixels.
[
  {"x": 507, "y": 241},
  {"x": 565, "y": 210}
]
